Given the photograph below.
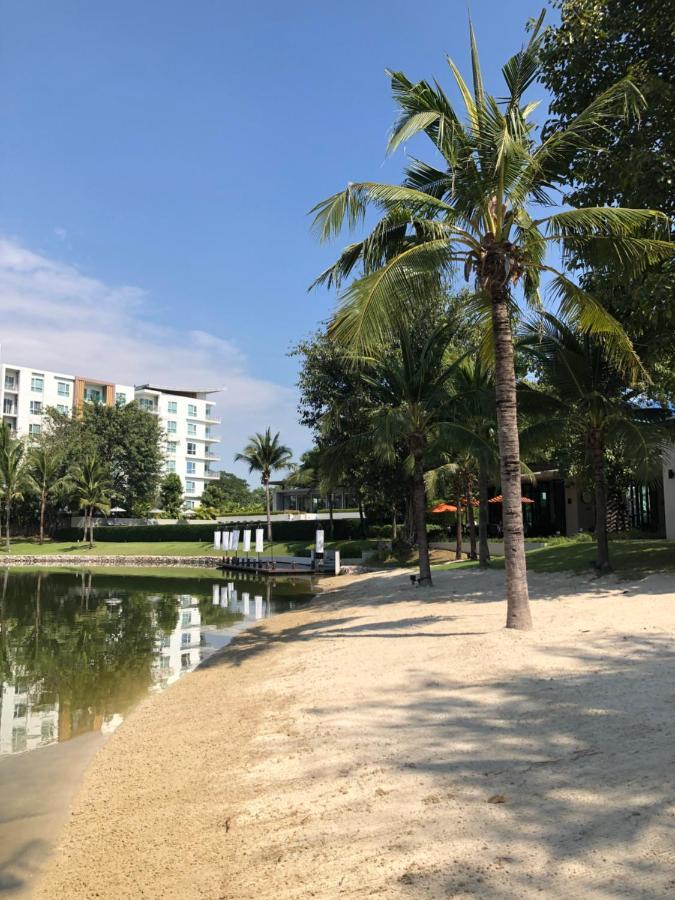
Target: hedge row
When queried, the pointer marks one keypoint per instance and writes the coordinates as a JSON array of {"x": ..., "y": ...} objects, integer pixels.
[{"x": 344, "y": 529}]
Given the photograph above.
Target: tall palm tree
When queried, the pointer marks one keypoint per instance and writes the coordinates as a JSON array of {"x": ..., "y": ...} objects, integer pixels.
[
  {"x": 479, "y": 211},
  {"x": 91, "y": 485},
  {"x": 593, "y": 406},
  {"x": 43, "y": 473},
  {"x": 12, "y": 477},
  {"x": 265, "y": 454}
]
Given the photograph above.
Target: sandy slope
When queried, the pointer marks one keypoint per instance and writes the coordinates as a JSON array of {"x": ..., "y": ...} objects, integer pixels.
[{"x": 354, "y": 750}]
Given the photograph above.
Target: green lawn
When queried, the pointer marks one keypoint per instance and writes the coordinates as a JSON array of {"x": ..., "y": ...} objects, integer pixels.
[
  {"x": 168, "y": 548},
  {"x": 628, "y": 557}
]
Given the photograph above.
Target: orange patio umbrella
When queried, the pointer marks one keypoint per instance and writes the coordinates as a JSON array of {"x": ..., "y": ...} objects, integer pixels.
[
  {"x": 499, "y": 498},
  {"x": 444, "y": 507}
]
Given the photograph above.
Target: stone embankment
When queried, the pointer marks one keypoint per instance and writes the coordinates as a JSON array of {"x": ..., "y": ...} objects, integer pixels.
[{"x": 62, "y": 559}]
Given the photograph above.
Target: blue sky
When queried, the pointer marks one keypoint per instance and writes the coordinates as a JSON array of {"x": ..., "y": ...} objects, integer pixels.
[{"x": 160, "y": 157}]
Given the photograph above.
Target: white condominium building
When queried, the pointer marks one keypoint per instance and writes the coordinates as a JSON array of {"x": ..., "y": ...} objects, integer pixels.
[
  {"x": 188, "y": 421},
  {"x": 187, "y": 417}
]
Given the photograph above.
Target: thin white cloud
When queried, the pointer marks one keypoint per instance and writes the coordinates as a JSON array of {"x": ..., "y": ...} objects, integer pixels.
[{"x": 55, "y": 317}]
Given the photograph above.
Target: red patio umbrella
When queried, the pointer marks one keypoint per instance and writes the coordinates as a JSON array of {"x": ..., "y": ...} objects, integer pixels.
[{"x": 499, "y": 498}]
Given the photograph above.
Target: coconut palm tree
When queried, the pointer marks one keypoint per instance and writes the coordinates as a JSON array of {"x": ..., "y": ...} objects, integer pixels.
[
  {"x": 410, "y": 390},
  {"x": 593, "y": 406},
  {"x": 480, "y": 211},
  {"x": 91, "y": 485},
  {"x": 265, "y": 454},
  {"x": 43, "y": 473},
  {"x": 12, "y": 476}
]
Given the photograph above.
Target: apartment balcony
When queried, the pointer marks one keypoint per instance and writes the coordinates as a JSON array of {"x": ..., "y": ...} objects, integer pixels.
[
  {"x": 211, "y": 439},
  {"x": 211, "y": 476},
  {"x": 214, "y": 456}
]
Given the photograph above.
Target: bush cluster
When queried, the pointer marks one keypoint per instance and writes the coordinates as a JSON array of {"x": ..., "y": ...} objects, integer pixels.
[{"x": 344, "y": 529}]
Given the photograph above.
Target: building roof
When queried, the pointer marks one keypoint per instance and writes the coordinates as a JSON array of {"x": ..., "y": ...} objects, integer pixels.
[{"x": 178, "y": 392}]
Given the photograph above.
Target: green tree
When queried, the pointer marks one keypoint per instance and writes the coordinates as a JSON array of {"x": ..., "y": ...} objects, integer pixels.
[
  {"x": 44, "y": 475},
  {"x": 91, "y": 485},
  {"x": 480, "y": 211},
  {"x": 593, "y": 406},
  {"x": 171, "y": 494},
  {"x": 265, "y": 454},
  {"x": 231, "y": 493},
  {"x": 632, "y": 163},
  {"x": 12, "y": 475}
]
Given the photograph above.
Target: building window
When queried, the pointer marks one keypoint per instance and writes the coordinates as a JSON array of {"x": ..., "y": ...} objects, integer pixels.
[
  {"x": 35, "y": 429},
  {"x": 37, "y": 383},
  {"x": 173, "y": 406},
  {"x": 36, "y": 407},
  {"x": 171, "y": 446},
  {"x": 10, "y": 382},
  {"x": 93, "y": 395},
  {"x": 191, "y": 468},
  {"x": 207, "y": 433},
  {"x": 121, "y": 399},
  {"x": 189, "y": 504},
  {"x": 144, "y": 403},
  {"x": 185, "y": 619},
  {"x": 209, "y": 412},
  {"x": 63, "y": 389},
  {"x": 191, "y": 448},
  {"x": 171, "y": 426},
  {"x": 185, "y": 639},
  {"x": 171, "y": 465},
  {"x": 189, "y": 487},
  {"x": 192, "y": 429},
  {"x": 8, "y": 406},
  {"x": 192, "y": 409},
  {"x": 64, "y": 410}
]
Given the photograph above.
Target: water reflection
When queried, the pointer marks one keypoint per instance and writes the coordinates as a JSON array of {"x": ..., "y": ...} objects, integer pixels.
[{"x": 78, "y": 649}]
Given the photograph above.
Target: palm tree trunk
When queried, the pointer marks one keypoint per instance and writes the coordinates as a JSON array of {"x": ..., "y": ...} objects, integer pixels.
[
  {"x": 8, "y": 510},
  {"x": 394, "y": 528},
  {"x": 471, "y": 520},
  {"x": 86, "y": 523},
  {"x": 602, "y": 563},
  {"x": 331, "y": 527},
  {"x": 91, "y": 527},
  {"x": 43, "y": 504},
  {"x": 419, "y": 499},
  {"x": 517, "y": 595},
  {"x": 458, "y": 531},
  {"x": 266, "y": 482},
  {"x": 483, "y": 548}
]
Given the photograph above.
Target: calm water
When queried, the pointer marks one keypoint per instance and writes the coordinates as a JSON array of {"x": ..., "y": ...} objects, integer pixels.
[{"x": 79, "y": 649}]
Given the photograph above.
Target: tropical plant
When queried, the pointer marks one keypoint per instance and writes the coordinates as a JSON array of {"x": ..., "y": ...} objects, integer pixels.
[
  {"x": 12, "y": 475},
  {"x": 91, "y": 485},
  {"x": 480, "y": 211},
  {"x": 594, "y": 406},
  {"x": 44, "y": 475},
  {"x": 265, "y": 454},
  {"x": 171, "y": 494}
]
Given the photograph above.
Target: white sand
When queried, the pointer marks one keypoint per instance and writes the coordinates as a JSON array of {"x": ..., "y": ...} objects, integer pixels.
[{"x": 353, "y": 750}]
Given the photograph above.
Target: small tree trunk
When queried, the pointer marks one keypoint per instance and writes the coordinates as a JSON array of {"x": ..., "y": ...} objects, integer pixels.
[
  {"x": 517, "y": 595},
  {"x": 458, "y": 531},
  {"x": 362, "y": 518},
  {"x": 602, "y": 563},
  {"x": 86, "y": 524},
  {"x": 8, "y": 510},
  {"x": 394, "y": 526},
  {"x": 43, "y": 504},
  {"x": 331, "y": 526},
  {"x": 266, "y": 482},
  {"x": 483, "y": 548},
  {"x": 471, "y": 520},
  {"x": 420, "y": 515}
]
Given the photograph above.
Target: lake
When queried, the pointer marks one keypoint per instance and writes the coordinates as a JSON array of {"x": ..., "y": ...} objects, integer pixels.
[{"x": 78, "y": 649}]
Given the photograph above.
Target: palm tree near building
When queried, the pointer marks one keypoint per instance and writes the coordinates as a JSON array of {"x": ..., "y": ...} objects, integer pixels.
[
  {"x": 44, "y": 475},
  {"x": 12, "y": 475},
  {"x": 265, "y": 454},
  {"x": 594, "y": 408},
  {"x": 480, "y": 211},
  {"x": 91, "y": 484}
]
